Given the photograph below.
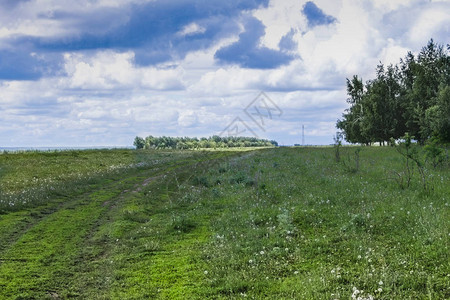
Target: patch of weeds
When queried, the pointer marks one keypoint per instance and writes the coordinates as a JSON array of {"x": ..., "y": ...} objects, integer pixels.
[
  {"x": 242, "y": 178},
  {"x": 337, "y": 146},
  {"x": 352, "y": 162},
  {"x": 183, "y": 224},
  {"x": 285, "y": 222},
  {"x": 201, "y": 181},
  {"x": 357, "y": 222},
  {"x": 150, "y": 246},
  {"x": 235, "y": 286},
  {"x": 189, "y": 198},
  {"x": 307, "y": 219},
  {"x": 238, "y": 178},
  {"x": 435, "y": 153},
  {"x": 411, "y": 153},
  {"x": 264, "y": 218},
  {"x": 222, "y": 170},
  {"x": 135, "y": 216},
  {"x": 250, "y": 182},
  {"x": 216, "y": 193}
]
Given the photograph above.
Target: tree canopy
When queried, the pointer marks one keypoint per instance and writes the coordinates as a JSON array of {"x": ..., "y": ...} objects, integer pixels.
[
  {"x": 166, "y": 142},
  {"x": 412, "y": 96}
]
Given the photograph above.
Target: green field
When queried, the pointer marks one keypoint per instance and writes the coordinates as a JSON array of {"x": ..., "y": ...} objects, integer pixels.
[{"x": 277, "y": 223}]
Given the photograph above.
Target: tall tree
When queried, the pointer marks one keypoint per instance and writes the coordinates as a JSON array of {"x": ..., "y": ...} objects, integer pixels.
[
  {"x": 383, "y": 113},
  {"x": 139, "y": 142},
  {"x": 428, "y": 72},
  {"x": 412, "y": 97},
  {"x": 437, "y": 117},
  {"x": 353, "y": 117}
]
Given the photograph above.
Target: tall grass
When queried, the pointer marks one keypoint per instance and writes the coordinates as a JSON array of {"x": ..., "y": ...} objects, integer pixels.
[
  {"x": 293, "y": 223},
  {"x": 29, "y": 178},
  {"x": 284, "y": 223}
]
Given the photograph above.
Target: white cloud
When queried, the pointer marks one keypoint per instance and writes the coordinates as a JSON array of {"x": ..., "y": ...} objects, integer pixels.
[
  {"x": 108, "y": 70},
  {"x": 38, "y": 18},
  {"x": 226, "y": 81},
  {"x": 163, "y": 79},
  {"x": 187, "y": 118},
  {"x": 431, "y": 21},
  {"x": 347, "y": 47},
  {"x": 191, "y": 29},
  {"x": 389, "y": 5},
  {"x": 105, "y": 98},
  {"x": 392, "y": 52},
  {"x": 104, "y": 70},
  {"x": 279, "y": 17}
]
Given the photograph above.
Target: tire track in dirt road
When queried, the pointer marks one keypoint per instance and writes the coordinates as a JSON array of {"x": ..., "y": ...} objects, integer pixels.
[
  {"x": 52, "y": 237},
  {"x": 41, "y": 258},
  {"x": 101, "y": 247}
]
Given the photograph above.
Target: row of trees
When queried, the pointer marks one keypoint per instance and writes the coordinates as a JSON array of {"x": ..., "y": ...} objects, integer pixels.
[
  {"x": 412, "y": 96},
  {"x": 166, "y": 142}
]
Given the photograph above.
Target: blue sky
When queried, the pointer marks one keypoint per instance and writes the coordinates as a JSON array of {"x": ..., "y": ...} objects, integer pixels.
[{"x": 99, "y": 72}]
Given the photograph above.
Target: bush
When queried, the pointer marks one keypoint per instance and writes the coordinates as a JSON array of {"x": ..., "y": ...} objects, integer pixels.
[
  {"x": 201, "y": 181},
  {"x": 434, "y": 153},
  {"x": 183, "y": 224}
]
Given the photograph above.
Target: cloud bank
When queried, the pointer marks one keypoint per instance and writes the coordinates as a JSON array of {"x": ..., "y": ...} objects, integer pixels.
[{"x": 91, "y": 73}]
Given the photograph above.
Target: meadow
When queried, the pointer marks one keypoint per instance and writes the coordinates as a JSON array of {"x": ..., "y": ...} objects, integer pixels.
[{"x": 276, "y": 223}]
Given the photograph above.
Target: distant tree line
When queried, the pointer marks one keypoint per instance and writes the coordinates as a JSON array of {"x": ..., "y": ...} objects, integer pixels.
[
  {"x": 410, "y": 97},
  {"x": 166, "y": 142}
]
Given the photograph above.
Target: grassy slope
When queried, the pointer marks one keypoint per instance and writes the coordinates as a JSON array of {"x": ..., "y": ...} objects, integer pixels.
[{"x": 280, "y": 223}]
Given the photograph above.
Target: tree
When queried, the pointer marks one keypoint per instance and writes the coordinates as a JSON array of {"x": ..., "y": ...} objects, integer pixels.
[
  {"x": 139, "y": 142},
  {"x": 351, "y": 124},
  {"x": 383, "y": 113},
  {"x": 424, "y": 76},
  {"x": 410, "y": 97},
  {"x": 166, "y": 142},
  {"x": 437, "y": 117}
]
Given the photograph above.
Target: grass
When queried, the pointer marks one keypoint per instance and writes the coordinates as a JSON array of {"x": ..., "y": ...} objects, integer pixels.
[{"x": 281, "y": 223}]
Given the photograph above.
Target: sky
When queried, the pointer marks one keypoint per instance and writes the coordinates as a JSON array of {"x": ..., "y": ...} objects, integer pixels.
[{"x": 100, "y": 72}]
